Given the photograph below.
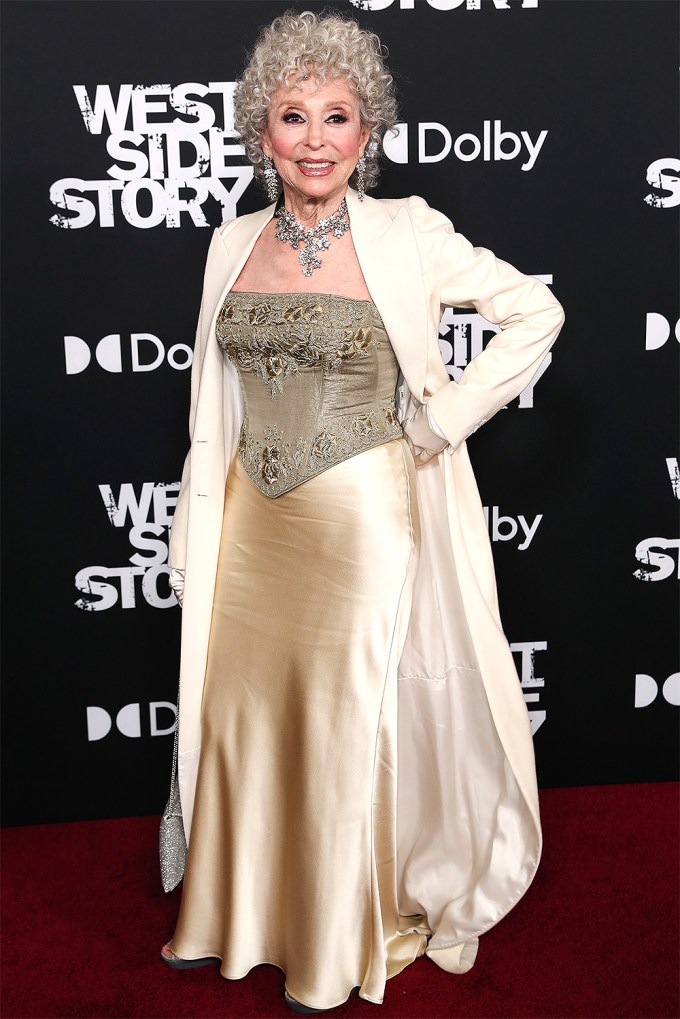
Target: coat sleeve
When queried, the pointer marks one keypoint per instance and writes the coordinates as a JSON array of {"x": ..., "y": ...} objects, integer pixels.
[
  {"x": 214, "y": 270},
  {"x": 529, "y": 316}
]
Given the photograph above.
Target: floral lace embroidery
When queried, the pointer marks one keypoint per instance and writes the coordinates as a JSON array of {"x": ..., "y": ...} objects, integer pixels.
[
  {"x": 274, "y": 342},
  {"x": 344, "y": 437},
  {"x": 275, "y": 465},
  {"x": 271, "y": 338},
  {"x": 270, "y": 462}
]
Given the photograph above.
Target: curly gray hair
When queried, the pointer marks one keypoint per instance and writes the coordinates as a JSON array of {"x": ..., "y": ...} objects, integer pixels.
[{"x": 307, "y": 45}]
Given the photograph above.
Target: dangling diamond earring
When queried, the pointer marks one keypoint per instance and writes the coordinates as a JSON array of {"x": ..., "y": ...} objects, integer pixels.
[
  {"x": 271, "y": 179},
  {"x": 361, "y": 178}
]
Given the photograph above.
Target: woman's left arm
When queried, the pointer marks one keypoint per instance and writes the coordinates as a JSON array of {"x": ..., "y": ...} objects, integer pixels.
[{"x": 529, "y": 316}]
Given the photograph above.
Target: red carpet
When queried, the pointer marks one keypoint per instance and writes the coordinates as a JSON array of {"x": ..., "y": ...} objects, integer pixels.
[{"x": 84, "y": 917}]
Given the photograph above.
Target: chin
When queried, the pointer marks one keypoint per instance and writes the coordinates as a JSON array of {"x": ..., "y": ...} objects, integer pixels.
[{"x": 321, "y": 188}]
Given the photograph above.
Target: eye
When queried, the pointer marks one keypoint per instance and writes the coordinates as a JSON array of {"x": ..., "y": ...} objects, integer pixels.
[
  {"x": 338, "y": 118},
  {"x": 292, "y": 118}
]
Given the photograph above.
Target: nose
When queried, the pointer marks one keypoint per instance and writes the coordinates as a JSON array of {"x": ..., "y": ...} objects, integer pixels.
[{"x": 315, "y": 134}]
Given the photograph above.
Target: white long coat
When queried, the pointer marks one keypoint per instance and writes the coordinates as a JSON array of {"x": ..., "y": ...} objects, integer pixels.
[{"x": 469, "y": 836}]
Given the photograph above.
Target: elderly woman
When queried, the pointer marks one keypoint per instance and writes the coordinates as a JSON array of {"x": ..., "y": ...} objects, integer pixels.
[{"x": 355, "y": 766}]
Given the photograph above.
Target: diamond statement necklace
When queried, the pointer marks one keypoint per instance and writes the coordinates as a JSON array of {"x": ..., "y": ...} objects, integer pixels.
[{"x": 316, "y": 238}]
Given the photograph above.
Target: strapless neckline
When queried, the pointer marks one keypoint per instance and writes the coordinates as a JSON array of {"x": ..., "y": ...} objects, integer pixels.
[{"x": 300, "y": 294}]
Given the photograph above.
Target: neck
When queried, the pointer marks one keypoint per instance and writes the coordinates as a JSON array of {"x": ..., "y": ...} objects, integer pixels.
[{"x": 309, "y": 211}]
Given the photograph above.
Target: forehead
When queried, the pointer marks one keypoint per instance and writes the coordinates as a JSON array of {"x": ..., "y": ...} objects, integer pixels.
[{"x": 311, "y": 92}]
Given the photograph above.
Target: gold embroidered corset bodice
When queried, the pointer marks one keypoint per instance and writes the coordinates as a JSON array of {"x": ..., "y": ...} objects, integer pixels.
[{"x": 318, "y": 377}]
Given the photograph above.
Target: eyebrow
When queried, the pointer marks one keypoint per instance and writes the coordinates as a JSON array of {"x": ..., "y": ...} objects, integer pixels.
[{"x": 290, "y": 104}]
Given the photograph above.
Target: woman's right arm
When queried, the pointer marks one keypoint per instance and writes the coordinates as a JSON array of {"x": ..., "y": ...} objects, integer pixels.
[{"x": 529, "y": 316}]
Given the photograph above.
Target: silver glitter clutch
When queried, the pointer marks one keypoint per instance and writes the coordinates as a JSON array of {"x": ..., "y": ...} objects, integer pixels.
[{"x": 172, "y": 843}]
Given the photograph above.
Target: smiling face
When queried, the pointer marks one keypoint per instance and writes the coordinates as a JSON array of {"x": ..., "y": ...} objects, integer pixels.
[{"x": 315, "y": 137}]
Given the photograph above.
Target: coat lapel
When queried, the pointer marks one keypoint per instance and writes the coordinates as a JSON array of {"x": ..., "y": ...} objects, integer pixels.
[{"x": 388, "y": 255}]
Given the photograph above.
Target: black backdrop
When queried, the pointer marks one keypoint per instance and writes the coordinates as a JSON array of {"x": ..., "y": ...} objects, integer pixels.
[{"x": 101, "y": 292}]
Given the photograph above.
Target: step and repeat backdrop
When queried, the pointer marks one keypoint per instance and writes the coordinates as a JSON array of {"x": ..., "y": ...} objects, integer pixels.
[{"x": 547, "y": 131}]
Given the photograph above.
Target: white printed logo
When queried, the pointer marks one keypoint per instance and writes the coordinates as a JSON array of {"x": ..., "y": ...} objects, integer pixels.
[
  {"x": 129, "y": 720},
  {"x": 463, "y": 335},
  {"x": 652, "y": 553},
  {"x": 151, "y": 514},
  {"x": 503, "y": 528},
  {"x": 165, "y": 168},
  {"x": 657, "y": 562},
  {"x": 444, "y": 5},
  {"x": 146, "y": 351},
  {"x": 435, "y": 142},
  {"x": 664, "y": 175},
  {"x": 647, "y": 689},
  {"x": 530, "y": 682},
  {"x": 658, "y": 329}
]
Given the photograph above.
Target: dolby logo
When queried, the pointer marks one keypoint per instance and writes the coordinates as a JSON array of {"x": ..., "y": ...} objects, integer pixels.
[
  {"x": 647, "y": 690},
  {"x": 658, "y": 330},
  {"x": 128, "y": 720},
  {"x": 490, "y": 143},
  {"x": 140, "y": 352}
]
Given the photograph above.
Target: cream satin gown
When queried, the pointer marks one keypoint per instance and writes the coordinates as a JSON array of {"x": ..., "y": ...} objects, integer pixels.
[{"x": 293, "y": 852}]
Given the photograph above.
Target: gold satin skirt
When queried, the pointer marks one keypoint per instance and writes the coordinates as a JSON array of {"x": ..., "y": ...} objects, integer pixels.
[{"x": 292, "y": 858}]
